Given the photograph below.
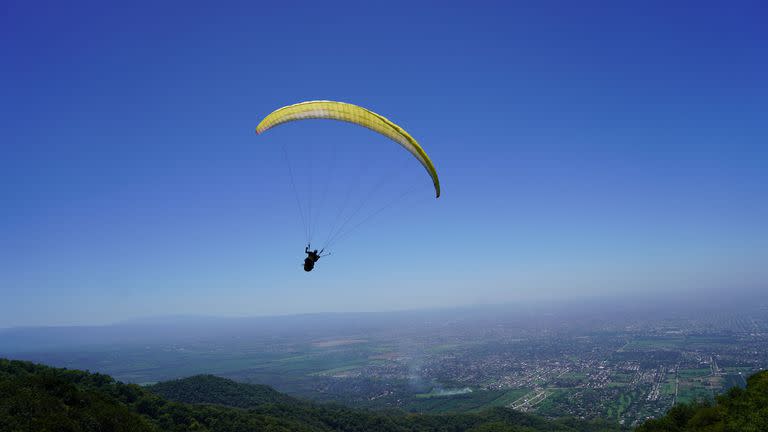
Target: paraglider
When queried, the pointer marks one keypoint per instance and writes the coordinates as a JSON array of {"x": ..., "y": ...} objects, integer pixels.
[
  {"x": 346, "y": 112},
  {"x": 312, "y": 257}
]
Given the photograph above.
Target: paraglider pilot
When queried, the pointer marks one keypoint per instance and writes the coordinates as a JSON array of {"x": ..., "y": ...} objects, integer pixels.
[{"x": 311, "y": 259}]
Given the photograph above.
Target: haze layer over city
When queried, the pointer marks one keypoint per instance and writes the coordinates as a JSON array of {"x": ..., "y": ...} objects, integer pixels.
[{"x": 623, "y": 361}]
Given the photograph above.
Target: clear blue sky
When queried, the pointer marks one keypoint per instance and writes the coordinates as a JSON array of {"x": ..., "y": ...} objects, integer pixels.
[{"x": 585, "y": 148}]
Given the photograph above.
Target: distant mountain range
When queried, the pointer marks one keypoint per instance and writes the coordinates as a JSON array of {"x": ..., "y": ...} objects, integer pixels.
[{"x": 180, "y": 329}]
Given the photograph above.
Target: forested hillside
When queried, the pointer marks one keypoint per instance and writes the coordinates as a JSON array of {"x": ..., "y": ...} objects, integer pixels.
[{"x": 211, "y": 389}]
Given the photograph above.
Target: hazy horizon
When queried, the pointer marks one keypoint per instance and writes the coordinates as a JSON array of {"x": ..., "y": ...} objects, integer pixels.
[{"x": 684, "y": 302}]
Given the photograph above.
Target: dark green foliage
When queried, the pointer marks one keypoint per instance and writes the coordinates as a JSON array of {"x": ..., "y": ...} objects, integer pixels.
[
  {"x": 36, "y": 398},
  {"x": 738, "y": 410},
  {"x": 211, "y": 389},
  {"x": 39, "y": 398}
]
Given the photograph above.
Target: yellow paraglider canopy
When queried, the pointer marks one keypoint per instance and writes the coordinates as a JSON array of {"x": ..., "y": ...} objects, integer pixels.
[{"x": 350, "y": 113}]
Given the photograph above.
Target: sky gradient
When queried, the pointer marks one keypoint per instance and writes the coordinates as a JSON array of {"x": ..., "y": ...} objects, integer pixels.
[{"x": 584, "y": 149}]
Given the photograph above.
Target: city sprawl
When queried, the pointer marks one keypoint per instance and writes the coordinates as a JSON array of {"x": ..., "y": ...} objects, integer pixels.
[{"x": 626, "y": 364}]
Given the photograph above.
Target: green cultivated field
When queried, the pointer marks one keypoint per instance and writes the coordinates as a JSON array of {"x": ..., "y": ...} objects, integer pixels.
[
  {"x": 676, "y": 342},
  {"x": 646, "y": 344},
  {"x": 694, "y": 373},
  {"x": 668, "y": 387},
  {"x": 556, "y": 403},
  {"x": 508, "y": 397},
  {"x": 338, "y": 370},
  {"x": 475, "y": 401},
  {"x": 621, "y": 405},
  {"x": 690, "y": 393}
]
